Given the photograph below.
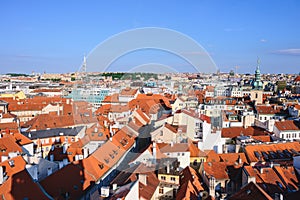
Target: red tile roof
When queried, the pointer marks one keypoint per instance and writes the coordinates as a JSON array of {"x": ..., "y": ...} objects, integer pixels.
[
  {"x": 249, "y": 192},
  {"x": 251, "y": 149},
  {"x": 216, "y": 169},
  {"x": 262, "y": 138},
  {"x": 97, "y": 133},
  {"x": 44, "y": 121},
  {"x": 268, "y": 179},
  {"x": 8, "y": 144},
  {"x": 128, "y": 92},
  {"x": 228, "y": 158},
  {"x": 289, "y": 176},
  {"x": 131, "y": 174},
  {"x": 194, "y": 114},
  {"x": 233, "y": 132},
  {"x": 190, "y": 185},
  {"x": 271, "y": 110},
  {"x": 114, "y": 98},
  {"x": 19, "y": 184},
  {"x": 287, "y": 125},
  {"x": 176, "y": 147},
  {"x": 195, "y": 151},
  {"x": 297, "y": 79},
  {"x": 9, "y": 125},
  {"x": 74, "y": 179}
]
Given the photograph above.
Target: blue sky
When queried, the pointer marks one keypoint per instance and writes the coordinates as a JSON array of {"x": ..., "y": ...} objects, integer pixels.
[{"x": 52, "y": 36}]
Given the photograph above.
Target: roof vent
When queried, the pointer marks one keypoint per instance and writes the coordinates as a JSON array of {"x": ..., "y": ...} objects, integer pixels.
[{"x": 11, "y": 163}]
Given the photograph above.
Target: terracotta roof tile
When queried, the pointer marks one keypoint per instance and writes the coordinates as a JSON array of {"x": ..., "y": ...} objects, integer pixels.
[
  {"x": 216, "y": 169},
  {"x": 287, "y": 125},
  {"x": 19, "y": 184},
  {"x": 190, "y": 184},
  {"x": 228, "y": 158},
  {"x": 249, "y": 192},
  {"x": 74, "y": 179},
  {"x": 128, "y": 92},
  {"x": 233, "y": 132},
  {"x": 9, "y": 125},
  {"x": 44, "y": 121},
  {"x": 268, "y": 179},
  {"x": 252, "y": 150},
  {"x": 8, "y": 144}
]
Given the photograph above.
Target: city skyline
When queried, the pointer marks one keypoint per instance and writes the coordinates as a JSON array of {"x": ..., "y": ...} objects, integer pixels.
[{"x": 53, "y": 36}]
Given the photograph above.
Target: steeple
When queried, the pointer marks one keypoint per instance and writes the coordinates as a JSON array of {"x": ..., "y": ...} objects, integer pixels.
[
  {"x": 257, "y": 84},
  {"x": 257, "y": 71}
]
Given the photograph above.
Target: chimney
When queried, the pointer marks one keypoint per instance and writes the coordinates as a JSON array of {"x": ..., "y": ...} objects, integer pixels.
[
  {"x": 85, "y": 153},
  {"x": 154, "y": 151},
  {"x": 51, "y": 157},
  {"x": 49, "y": 171},
  {"x": 240, "y": 160},
  {"x": 142, "y": 178},
  {"x": 95, "y": 130},
  {"x": 261, "y": 170},
  {"x": 65, "y": 161},
  {"x": 168, "y": 167},
  {"x": 281, "y": 196},
  {"x": 114, "y": 186},
  {"x": 65, "y": 147},
  {"x": 172, "y": 144},
  {"x": 35, "y": 173},
  {"x": 60, "y": 164},
  {"x": 1, "y": 175},
  {"x": 271, "y": 164},
  {"x": 58, "y": 113}
]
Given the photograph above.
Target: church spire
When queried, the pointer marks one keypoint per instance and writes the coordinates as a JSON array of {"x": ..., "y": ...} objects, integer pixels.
[{"x": 257, "y": 84}]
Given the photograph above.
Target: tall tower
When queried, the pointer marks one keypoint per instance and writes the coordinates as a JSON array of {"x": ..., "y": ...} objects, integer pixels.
[
  {"x": 257, "y": 84},
  {"x": 82, "y": 72}
]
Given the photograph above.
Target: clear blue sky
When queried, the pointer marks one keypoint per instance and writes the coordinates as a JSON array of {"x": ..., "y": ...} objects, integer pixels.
[{"x": 54, "y": 35}]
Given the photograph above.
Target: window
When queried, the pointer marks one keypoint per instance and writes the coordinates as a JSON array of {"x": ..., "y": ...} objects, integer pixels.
[
  {"x": 195, "y": 162},
  {"x": 163, "y": 178},
  {"x": 161, "y": 190},
  {"x": 173, "y": 179}
]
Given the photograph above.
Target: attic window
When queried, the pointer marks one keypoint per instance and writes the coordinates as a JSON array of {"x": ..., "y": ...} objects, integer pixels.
[
  {"x": 101, "y": 166},
  {"x": 106, "y": 160},
  {"x": 115, "y": 152}
]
